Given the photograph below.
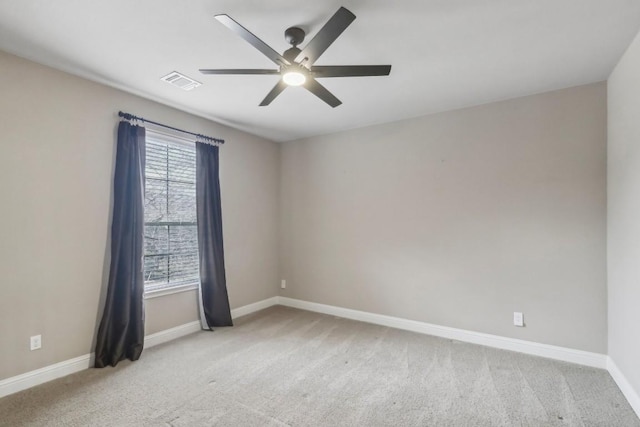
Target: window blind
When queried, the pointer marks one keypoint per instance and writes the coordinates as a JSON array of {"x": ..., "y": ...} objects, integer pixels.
[{"x": 170, "y": 236}]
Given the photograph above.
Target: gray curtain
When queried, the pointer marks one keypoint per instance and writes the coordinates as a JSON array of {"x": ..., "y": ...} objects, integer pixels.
[
  {"x": 121, "y": 331},
  {"x": 214, "y": 301}
]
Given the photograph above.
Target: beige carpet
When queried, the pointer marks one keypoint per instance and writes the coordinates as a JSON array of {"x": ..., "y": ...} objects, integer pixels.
[{"x": 285, "y": 367}]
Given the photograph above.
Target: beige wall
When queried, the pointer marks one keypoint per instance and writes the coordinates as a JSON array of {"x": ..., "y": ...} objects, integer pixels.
[
  {"x": 57, "y": 136},
  {"x": 623, "y": 193},
  {"x": 459, "y": 219}
]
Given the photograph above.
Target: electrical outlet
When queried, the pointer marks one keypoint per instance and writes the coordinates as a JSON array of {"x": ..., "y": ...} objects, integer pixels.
[
  {"x": 518, "y": 319},
  {"x": 283, "y": 284},
  {"x": 36, "y": 342}
]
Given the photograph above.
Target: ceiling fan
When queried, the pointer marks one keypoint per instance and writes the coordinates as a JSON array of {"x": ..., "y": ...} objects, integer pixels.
[{"x": 295, "y": 66}]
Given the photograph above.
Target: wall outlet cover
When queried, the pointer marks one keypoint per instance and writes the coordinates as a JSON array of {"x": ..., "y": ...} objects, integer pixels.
[
  {"x": 36, "y": 342},
  {"x": 518, "y": 319},
  {"x": 283, "y": 284}
]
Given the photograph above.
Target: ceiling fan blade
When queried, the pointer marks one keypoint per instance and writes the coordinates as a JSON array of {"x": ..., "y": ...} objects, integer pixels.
[
  {"x": 327, "y": 35},
  {"x": 350, "y": 70},
  {"x": 277, "y": 90},
  {"x": 227, "y": 21},
  {"x": 238, "y": 71},
  {"x": 322, "y": 92}
]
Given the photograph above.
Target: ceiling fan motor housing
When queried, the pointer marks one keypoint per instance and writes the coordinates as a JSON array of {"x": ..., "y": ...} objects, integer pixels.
[{"x": 291, "y": 54}]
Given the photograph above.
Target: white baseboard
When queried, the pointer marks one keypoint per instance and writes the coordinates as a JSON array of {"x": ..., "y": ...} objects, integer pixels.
[
  {"x": 252, "y": 308},
  {"x": 171, "y": 334},
  {"x": 33, "y": 378},
  {"x": 633, "y": 397},
  {"x": 39, "y": 376},
  {"x": 580, "y": 357},
  {"x": 48, "y": 373}
]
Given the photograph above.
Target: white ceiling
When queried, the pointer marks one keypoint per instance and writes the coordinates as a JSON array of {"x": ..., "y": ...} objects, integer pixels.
[{"x": 445, "y": 54}]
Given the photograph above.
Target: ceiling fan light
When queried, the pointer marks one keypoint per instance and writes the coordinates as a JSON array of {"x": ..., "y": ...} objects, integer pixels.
[{"x": 294, "y": 78}]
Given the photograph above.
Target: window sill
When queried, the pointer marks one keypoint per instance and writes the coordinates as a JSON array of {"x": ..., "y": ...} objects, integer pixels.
[{"x": 169, "y": 291}]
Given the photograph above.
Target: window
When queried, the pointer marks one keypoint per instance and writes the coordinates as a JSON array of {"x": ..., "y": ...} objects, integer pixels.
[{"x": 170, "y": 234}]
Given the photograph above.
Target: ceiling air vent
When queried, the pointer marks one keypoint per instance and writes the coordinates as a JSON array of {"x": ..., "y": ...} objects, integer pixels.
[{"x": 180, "y": 80}]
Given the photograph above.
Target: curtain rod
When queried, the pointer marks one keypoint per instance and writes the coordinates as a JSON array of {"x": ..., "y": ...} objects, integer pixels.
[{"x": 128, "y": 116}]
